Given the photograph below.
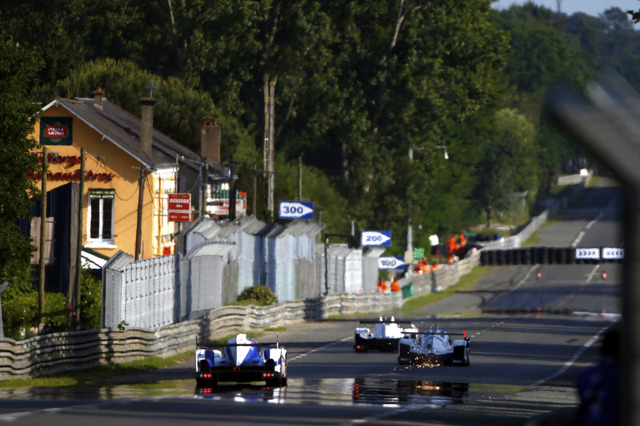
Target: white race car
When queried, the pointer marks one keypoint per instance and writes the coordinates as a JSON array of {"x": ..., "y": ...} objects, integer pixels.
[
  {"x": 241, "y": 360},
  {"x": 385, "y": 335},
  {"x": 434, "y": 347}
]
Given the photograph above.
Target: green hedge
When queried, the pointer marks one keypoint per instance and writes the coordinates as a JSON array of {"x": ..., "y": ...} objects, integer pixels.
[
  {"x": 258, "y": 295},
  {"x": 20, "y": 314}
]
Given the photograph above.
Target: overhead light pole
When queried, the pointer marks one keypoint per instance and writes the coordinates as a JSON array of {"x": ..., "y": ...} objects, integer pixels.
[{"x": 408, "y": 256}]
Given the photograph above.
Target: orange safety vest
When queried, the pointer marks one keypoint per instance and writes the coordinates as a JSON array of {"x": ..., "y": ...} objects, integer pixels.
[
  {"x": 452, "y": 245},
  {"x": 395, "y": 286},
  {"x": 382, "y": 287}
]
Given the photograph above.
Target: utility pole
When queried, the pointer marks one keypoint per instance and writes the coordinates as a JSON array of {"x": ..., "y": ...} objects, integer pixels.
[
  {"x": 43, "y": 238},
  {"x": 299, "y": 178},
  {"x": 232, "y": 191},
  {"x": 204, "y": 189},
  {"x": 79, "y": 248},
  {"x": 255, "y": 190},
  {"x": 268, "y": 150},
  {"x": 409, "y": 253},
  {"x": 141, "y": 182}
]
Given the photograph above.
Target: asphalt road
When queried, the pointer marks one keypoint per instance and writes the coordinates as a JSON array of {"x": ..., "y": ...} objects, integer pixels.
[{"x": 530, "y": 338}]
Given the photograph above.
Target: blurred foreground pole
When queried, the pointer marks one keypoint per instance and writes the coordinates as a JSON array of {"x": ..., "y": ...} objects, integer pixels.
[{"x": 608, "y": 125}]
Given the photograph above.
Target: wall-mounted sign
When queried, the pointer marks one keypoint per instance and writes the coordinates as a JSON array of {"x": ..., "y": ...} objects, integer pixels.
[
  {"x": 56, "y": 130},
  {"x": 375, "y": 238},
  {"x": 68, "y": 161},
  {"x": 295, "y": 210},
  {"x": 179, "y": 207},
  {"x": 74, "y": 176}
]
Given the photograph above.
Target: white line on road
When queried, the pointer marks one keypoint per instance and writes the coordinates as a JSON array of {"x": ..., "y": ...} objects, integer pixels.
[{"x": 575, "y": 357}]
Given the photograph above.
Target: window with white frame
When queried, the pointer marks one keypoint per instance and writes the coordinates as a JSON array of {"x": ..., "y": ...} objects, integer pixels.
[
  {"x": 100, "y": 217},
  {"x": 165, "y": 181}
]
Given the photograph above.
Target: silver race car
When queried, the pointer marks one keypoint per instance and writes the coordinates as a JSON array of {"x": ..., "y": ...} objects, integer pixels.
[
  {"x": 241, "y": 360},
  {"x": 434, "y": 347},
  {"x": 385, "y": 335}
]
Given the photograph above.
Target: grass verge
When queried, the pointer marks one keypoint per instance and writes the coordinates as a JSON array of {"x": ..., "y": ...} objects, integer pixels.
[
  {"x": 466, "y": 282},
  {"x": 96, "y": 376}
]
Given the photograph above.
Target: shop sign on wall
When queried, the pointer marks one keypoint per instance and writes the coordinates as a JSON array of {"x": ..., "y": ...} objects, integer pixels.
[
  {"x": 56, "y": 131},
  {"x": 180, "y": 207}
]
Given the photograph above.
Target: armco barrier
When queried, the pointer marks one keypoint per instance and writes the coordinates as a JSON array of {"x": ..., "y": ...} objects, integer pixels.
[{"x": 55, "y": 353}]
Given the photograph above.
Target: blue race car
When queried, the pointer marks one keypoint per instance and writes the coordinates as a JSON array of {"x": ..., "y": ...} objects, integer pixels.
[{"x": 241, "y": 360}]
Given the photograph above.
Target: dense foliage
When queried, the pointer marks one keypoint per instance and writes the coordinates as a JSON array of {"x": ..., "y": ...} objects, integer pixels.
[
  {"x": 18, "y": 67},
  {"x": 20, "y": 313},
  {"x": 370, "y": 95},
  {"x": 258, "y": 295}
]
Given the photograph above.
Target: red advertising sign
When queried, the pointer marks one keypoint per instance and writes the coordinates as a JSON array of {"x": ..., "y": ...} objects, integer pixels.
[
  {"x": 180, "y": 207},
  {"x": 56, "y": 131}
]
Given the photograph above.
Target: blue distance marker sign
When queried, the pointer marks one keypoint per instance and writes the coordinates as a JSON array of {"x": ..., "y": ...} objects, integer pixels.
[
  {"x": 391, "y": 262},
  {"x": 375, "y": 238},
  {"x": 295, "y": 210}
]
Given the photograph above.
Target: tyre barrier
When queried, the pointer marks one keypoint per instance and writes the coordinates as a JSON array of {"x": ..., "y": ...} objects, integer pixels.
[
  {"x": 538, "y": 255},
  {"x": 525, "y": 256},
  {"x": 484, "y": 257},
  {"x": 524, "y": 311},
  {"x": 542, "y": 257}
]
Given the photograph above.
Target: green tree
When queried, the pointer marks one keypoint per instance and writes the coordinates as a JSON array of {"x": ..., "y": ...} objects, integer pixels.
[
  {"x": 18, "y": 68},
  {"x": 407, "y": 73},
  {"x": 179, "y": 109},
  {"x": 508, "y": 163},
  {"x": 68, "y": 33},
  {"x": 547, "y": 49},
  {"x": 356, "y": 86}
]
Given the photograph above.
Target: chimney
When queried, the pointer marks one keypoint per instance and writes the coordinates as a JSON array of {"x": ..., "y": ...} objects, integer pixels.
[
  {"x": 146, "y": 125},
  {"x": 210, "y": 140},
  {"x": 97, "y": 98}
]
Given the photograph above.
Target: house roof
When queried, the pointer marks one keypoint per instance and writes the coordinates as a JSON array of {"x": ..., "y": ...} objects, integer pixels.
[{"x": 122, "y": 129}]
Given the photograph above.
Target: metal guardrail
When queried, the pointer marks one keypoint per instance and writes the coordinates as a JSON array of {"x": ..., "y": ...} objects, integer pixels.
[{"x": 59, "y": 352}]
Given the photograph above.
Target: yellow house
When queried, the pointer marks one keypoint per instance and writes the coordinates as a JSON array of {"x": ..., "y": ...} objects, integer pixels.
[{"x": 129, "y": 171}]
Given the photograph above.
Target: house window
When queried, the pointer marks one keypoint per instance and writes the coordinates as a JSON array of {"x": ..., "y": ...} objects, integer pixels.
[{"x": 100, "y": 217}]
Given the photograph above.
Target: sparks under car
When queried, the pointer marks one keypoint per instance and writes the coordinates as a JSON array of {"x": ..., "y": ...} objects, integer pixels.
[
  {"x": 434, "y": 347},
  {"x": 384, "y": 337},
  {"x": 241, "y": 360}
]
